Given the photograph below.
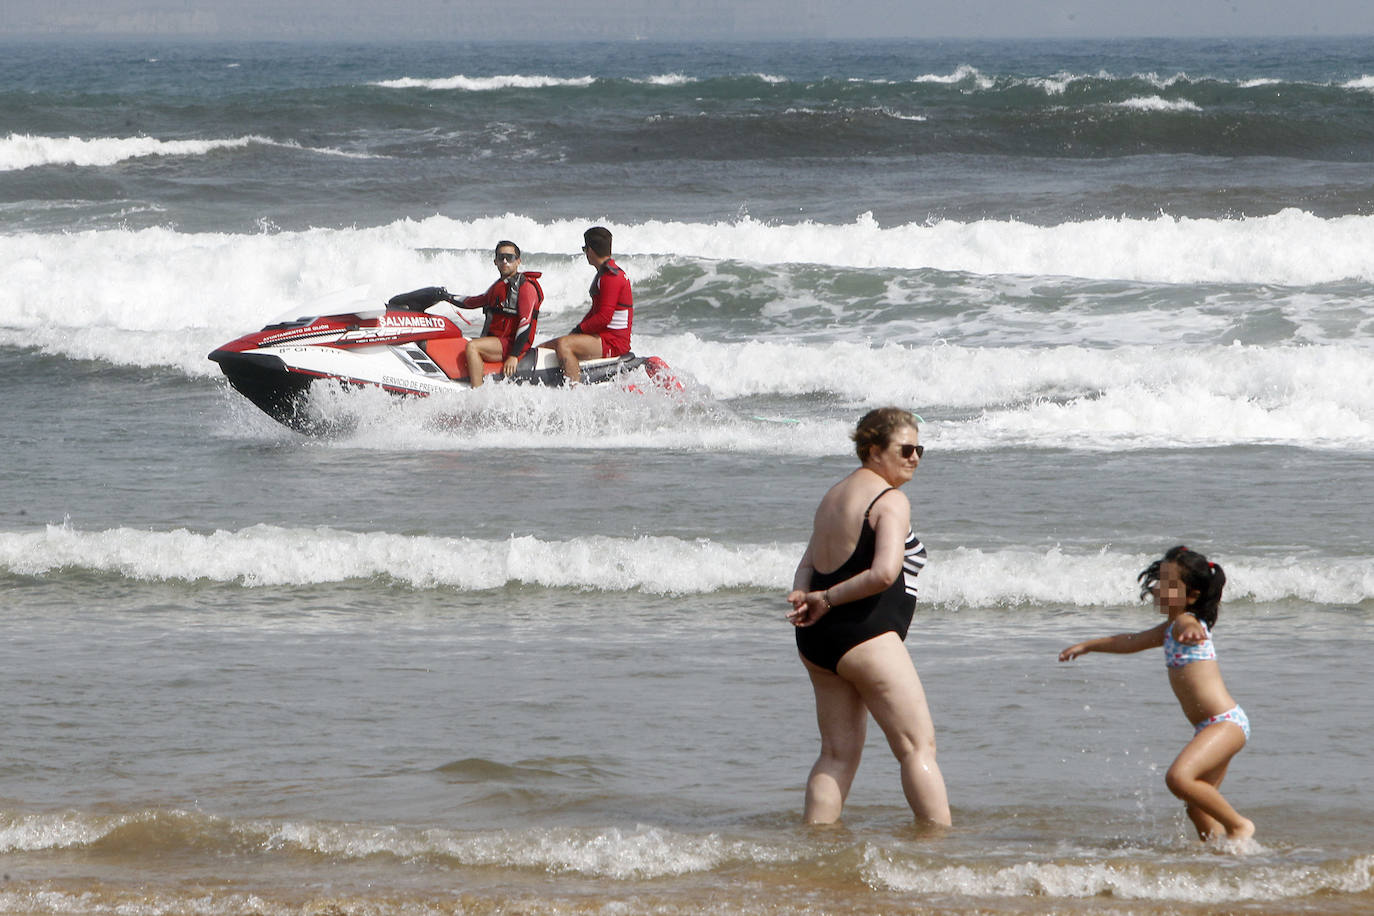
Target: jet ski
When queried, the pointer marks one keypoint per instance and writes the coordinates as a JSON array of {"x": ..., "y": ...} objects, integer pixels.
[{"x": 410, "y": 347}]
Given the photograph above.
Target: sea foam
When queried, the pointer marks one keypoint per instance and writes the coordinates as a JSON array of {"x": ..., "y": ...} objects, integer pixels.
[
  {"x": 1292, "y": 247},
  {"x": 263, "y": 556},
  {"x": 24, "y": 151},
  {"x": 1129, "y": 397},
  {"x": 232, "y": 281},
  {"x": 269, "y": 556},
  {"x": 486, "y": 83},
  {"x": 160, "y": 298},
  {"x": 1156, "y": 103},
  {"x": 1124, "y": 880},
  {"x": 647, "y": 851},
  {"x": 612, "y": 852}
]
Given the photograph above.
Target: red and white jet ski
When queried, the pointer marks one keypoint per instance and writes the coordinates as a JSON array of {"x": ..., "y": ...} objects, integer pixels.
[{"x": 409, "y": 347}]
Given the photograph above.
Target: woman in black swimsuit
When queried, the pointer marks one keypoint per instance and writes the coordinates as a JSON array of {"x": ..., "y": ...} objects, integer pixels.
[{"x": 852, "y": 620}]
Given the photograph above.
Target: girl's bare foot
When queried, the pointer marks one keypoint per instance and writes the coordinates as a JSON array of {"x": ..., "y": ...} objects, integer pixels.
[{"x": 1243, "y": 832}]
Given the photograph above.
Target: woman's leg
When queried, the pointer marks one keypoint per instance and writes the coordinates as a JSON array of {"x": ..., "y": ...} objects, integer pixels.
[
  {"x": 882, "y": 672},
  {"x": 843, "y": 721},
  {"x": 1197, "y": 772}
]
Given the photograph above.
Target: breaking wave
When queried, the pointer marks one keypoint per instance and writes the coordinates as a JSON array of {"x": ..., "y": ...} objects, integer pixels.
[{"x": 264, "y": 556}]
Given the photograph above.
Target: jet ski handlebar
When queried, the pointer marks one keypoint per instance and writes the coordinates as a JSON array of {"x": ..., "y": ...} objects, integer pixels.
[{"x": 417, "y": 300}]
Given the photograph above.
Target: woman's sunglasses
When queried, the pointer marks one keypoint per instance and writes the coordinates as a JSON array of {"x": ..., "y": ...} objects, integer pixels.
[{"x": 908, "y": 450}]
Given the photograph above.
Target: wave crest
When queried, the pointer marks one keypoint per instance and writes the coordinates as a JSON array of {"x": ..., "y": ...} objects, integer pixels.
[
  {"x": 489, "y": 83},
  {"x": 958, "y": 577},
  {"x": 26, "y": 151}
]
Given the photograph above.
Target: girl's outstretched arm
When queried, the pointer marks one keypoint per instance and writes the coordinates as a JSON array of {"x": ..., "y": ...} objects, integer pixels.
[{"x": 1120, "y": 643}]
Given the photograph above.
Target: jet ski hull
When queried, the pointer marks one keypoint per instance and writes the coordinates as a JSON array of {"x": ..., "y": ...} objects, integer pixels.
[{"x": 398, "y": 351}]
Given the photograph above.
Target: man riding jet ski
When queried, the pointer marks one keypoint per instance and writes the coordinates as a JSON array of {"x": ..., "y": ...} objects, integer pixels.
[
  {"x": 410, "y": 347},
  {"x": 511, "y": 305}
]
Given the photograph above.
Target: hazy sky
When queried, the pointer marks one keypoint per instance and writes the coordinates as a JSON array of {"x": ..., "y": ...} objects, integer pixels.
[{"x": 550, "y": 19}]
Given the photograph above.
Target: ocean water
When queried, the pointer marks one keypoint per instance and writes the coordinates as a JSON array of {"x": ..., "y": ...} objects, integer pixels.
[{"x": 524, "y": 650}]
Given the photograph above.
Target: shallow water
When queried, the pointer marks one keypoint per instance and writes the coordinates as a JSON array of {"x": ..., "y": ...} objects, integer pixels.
[{"x": 525, "y": 650}]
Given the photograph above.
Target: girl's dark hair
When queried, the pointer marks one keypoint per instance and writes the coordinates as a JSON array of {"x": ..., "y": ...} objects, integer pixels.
[
  {"x": 1207, "y": 579},
  {"x": 876, "y": 429}
]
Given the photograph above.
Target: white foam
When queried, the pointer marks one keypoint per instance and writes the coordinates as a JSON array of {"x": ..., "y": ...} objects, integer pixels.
[
  {"x": 1163, "y": 82},
  {"x": 1126, "y": 397},
  {"x": 974, "y": 578},
  {"x": 231, "y": 282},
  {"x": 265, "y": 556},
  {"x": 618, "y": 853},
  {"x": 159, "y": 297},
  {"x": 1291, "y": 247},
  {"x": 1199, "y": 883},
  {"x": 24, "y": 151},
  {"x": 156, "y": 297},
  {"x": 1053, "y": 85},
  {"x": 143, "y": 900},
  {"x": 487, "y": 83},
  {"x": 632, "y": 414},
  {"x": 1155, "y": 103},
  {"x": 667, "y": 79},
  {"x": 1056, "y": 84},
  {"x": 1063, "y": 397},
  {"x": 642, "y": 852},
  {"x": 881, "y": 110},
  {"x": 958, "y": 577},
  {"x": 645, "y": 853},
  {"x": 962, "y": 73},
  {"x": 1139, "y": 416},
  {"x": 1059, "y": 82},
  {"x": 30, "y": 832}
]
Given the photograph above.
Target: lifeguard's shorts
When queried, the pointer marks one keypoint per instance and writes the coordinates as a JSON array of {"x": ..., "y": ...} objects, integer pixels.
[{"x": 614, "y": 344}]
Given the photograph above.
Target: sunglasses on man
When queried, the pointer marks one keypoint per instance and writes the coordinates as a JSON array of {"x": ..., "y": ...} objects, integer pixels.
[{"x": 507, "y": 257}]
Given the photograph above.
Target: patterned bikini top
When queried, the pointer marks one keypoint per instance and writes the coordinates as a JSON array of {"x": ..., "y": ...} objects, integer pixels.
[{"x": 1177, "y": 654}]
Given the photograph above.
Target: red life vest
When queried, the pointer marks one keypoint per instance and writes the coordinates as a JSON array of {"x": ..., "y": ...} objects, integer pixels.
[{"x": 503, "y": 314}]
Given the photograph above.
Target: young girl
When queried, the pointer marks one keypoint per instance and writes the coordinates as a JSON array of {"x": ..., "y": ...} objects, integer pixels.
[{"x": 1188, "y": 589}]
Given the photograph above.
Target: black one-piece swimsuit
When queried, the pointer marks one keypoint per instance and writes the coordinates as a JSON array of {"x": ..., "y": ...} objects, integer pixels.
[{"x": 844, "y": 626}]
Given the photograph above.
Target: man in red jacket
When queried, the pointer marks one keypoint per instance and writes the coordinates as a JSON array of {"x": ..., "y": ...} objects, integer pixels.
[
  {"x": 511, "y": 305},
  {"x": 605, "y": 329}
]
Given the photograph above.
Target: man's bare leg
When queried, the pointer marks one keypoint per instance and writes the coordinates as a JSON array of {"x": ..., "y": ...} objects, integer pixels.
[
  {"x": 479, "y": 351},
  {"x": 571, "y": 349}
]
